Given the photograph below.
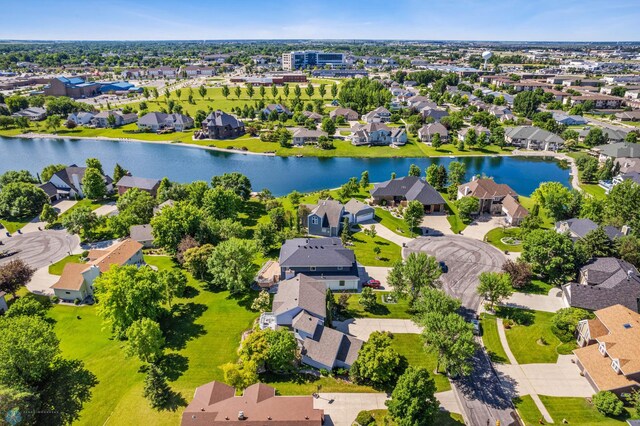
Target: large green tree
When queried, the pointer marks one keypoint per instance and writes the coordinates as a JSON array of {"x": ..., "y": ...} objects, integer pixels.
[
  {"x": 237, "y": 182},
  {"x": 21, "y": 200},
  {"x": 494, "y": 287},
  {"x": 526, "y": 103},
  {"x": 413, "y": 401},
  {"x": 378, "y": 363},
  {"x": 452, "y": 339},
  {"x": 621, "y": 206},
  {"x": 417, "y": 272},
  {"x": 93, "y": 184},
  {"x": 551, "y": 255},
  {"x": 173, "y": 223},
  {"x": 221, "y": 203},
  {"x": 81, "y": 220},
  {"x": 561, "y": 202},
  {"x": 145, "y": 340},
  {"x": 230, "y": 265}
]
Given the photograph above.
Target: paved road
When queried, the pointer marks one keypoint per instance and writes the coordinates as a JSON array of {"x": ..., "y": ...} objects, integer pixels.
[
  {"x": 465, "y": 258},
  {"x": 40, "y": 248},
  {"x": 484, "y": 397}
]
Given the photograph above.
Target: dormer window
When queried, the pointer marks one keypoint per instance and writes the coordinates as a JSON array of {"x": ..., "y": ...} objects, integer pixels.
[
  {"x": 615, "y": 364},
  {"x": 602, "y": 348},
  {"x": 314, "y": 220}
]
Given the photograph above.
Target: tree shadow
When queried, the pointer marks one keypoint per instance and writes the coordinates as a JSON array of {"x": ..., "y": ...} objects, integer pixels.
[
  {"x": 175, "y": 400},
  {"x": 179, "y": 325},
  {"x": 244, "y": 299},
  {"x": 173, "y": 365},
  {"x": 253, "y": 209},
  {"x": 190, "y": 292},
  {"x": 519, "y": 316}
]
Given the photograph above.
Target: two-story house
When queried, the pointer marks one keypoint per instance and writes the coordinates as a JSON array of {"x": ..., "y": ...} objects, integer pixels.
[
  {"x": 608, "y": 355},
  {"x": 67, "y": 183},
  {"x": 377, "y": 134},
  {"x": 532, "y": 137},
  {"x": 326, "y": 218},
  {"x": 378, "y": 115}
]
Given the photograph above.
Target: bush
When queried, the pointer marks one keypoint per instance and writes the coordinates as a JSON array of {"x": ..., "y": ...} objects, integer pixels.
[
  {"x": 607, "y": 403},
  {"x": 565, "y": 322},
  {"x": 365, "y": 418},
  {"x": 324, "y": 372},
  {"x": 76, "y": 301},
  {"x": 54, "y": 299}
]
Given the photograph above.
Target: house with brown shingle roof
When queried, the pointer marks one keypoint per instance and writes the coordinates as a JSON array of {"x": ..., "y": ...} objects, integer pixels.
[
  {"x": 490, "y": 194},
  {"x": 216, "y": 403},
  {"x": 76, "y": 281},
  {"x": 513, "y": 210},
  {"x": 609, "y": 354}
]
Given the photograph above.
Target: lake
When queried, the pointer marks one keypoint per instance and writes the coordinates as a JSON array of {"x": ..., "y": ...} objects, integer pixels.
[{"x": 281, "y": 175}]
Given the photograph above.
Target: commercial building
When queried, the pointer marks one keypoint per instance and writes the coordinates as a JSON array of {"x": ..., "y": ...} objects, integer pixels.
[{"x": 310, "y": 59}]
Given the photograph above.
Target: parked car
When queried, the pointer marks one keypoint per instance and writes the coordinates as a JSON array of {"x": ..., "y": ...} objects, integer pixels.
[
  {"x": 443, "y": 267},
  {"x": 476, "y": 326},
  {"x": 372, "y": 284}
]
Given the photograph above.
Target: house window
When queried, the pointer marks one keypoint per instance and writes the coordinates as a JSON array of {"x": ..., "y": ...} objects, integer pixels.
[
  {"x": 67, "y": 292},
  {"x": 341, "y": 283},
  {"x": 312, "y": 268},
  {"x": 615, "y": 364},
  {"x": 602, "y": 348},
  {"x": 314, "y": 220}
]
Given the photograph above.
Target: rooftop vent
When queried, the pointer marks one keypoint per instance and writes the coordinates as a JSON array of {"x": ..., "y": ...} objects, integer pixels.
[
  {"x": 627, "y": 325},
  {"x": 241, "y": 415}
]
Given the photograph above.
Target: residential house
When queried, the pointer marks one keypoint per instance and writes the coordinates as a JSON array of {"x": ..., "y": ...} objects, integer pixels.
[
  {"x": 578, "y": 228},
  {"x": 616, "y": 135},
  {"x": 502, "y": 113},
  {"x": 144, "y": 184},
  {"x": 297, "y": 294},
  {"x": 303, "y": 136},
  {"x": 494, "y": 198},
  {"x": 325, "y": 219},
  {"x": 532, "y": 137},
  {"x": 3, "y": 302},
  {"x": 426, "y": 132},
  {"x": 81, "y": 118},
  {"x": 409, "y": 188},
  {"x": 133, "y": 73},
  {"x": 436, "y": 114},
  {"x": 358, "y": 212},
  {"x": 324, "y": 259},
  {"x": 347, "y": 113},
  {"x": 617, "y": 150},
  {"x": 417, "y": 102},
  {"x": 120, "y": 118},
  {"x": 599, "y": 101},
  {"x": 142, "y": 234},
  {"x": 377, "y": 134},
  {"x": 462, "y": 133},
  {"x": 76, "y": 281},
  {"x": 313, "y": 115},
  {"x": 604, "y": 282},
  {"x": 32, "y": 113},
  {"x": 378, "y": 115},
  {"x": 609, "y": 356},
  {"x": 157, "y": 121},
  {"x": 629, "y": 115},
  {"x": 197, "y": 71},
  {"x": 163, "y": 72},
  {"x": 569, "y": 120},
  {"x": 216, "y": 404},
  {"x": 279, "y": 109},
  {"x": 67, "y": 183},
  {"x": 220, "y": 125}
]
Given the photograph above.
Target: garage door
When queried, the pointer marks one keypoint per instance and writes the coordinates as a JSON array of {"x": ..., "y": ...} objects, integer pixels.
[{"x": 364, "y": 217}]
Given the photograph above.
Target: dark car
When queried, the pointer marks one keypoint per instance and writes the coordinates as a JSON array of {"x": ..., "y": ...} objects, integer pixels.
[
  {"x": 443, "y": 267},
  {"x": 372, "y": 284}
]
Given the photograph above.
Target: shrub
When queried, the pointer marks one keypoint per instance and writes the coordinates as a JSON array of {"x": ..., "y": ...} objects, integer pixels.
[
  {"x": 565, "y": 322},
  {"x": 607, "y": 403},
  {"x": 324, "y": 372},
  {"x": 365, "y": 418},
  {"x": 76, "y": 301},
  {"x": 85, "y": 254},
  {"x": 54, "y": 299}
]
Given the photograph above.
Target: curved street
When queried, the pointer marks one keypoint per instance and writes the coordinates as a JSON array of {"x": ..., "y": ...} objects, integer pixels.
[{"x": 41, "y": 248}]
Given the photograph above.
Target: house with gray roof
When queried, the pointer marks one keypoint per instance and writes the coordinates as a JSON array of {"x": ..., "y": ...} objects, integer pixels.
[
  {"x": 428, "y": 131},
  {"x": 324, "y": 259},
  {"x": 313, "y": 115},
  {"x": 378, "y": 115},
  {"x": 359, "y": 212},
  {"x": 327, "y": 348},
  {"x": 156, "y": 121},
  {"x": 297, "y": 294},
  {"x": 569, "y": 120},
  {"x": 32, "y": 113},
  {"x": 532, "y": 137},
  {"x": 120, "y": 118},
  {"x": 68, "y": 183},
  {"x": 326, "y": 218},
  {"x": 347, "y": 113},
  {"x": 220, "y": 125},
  {"x": 142, "y": 234},
  {"x": 144, "y": 184},
  {"x": 409, "y": 188},
  {"x": 617, "y": 150},
  {"x": 81, "y": 118},
  {"x": 303, "y": 136},
  {"x": 279, "y": 109},
  {"x": 436, "y": 114},
  {"x": 604, "y": 282},
  {"x": 377, "y": 134},
  {"x": 578, "y": 228},
  {"x": 613, "y": 135}
]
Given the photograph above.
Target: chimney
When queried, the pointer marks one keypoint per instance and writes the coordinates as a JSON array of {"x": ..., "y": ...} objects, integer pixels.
[
  {"x": 241, "y": 415},
  {"x": 626, "y": 229}
]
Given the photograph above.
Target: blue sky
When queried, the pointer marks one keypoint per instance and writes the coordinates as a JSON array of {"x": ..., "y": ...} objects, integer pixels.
[{"x": 565, "y": 20}]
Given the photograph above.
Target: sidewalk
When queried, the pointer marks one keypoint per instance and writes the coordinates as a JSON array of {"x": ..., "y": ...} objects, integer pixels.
[{"x": 386, "y": 233}]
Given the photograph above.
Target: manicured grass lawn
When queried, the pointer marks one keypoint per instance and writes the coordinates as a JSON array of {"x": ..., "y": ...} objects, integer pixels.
[
  {"x": 397, "y": 225},
  {"x": 592, "y": 189},
  {"x": 204, "y": 334},
  {"x": 412, "y": 347},
  {"x": 536, "y": 287},
  {"x": 524, "y": 337},
  {"x": 12, "y": 225},
  {"x": 527, "y": 203},
  {"x": 491, "y": 339},
  {"x": 382, "y": 310},
  {"x": 306, "y": 384},
  {"x": 457, "y": 226},
  {"x": 363, "y": 247},
  {"x": 56, "y": 268},
  {"x": 577, "y": 411},
  {"x": 443, "y": 418},
  {"x": 495, "y": 236}
]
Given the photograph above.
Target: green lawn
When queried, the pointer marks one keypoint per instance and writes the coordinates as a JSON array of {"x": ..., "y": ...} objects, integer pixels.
[
  {"x": 56, "y": 268},
  {"x": 412, "y": 347},
  {"x": 443, "y": 418},
  {"x": 397, "y": 225},
  {"x": 363, "y": 247},
  {"x": 495, "y": 236},
  {"x": 527, "y": 203},
  {"x": 536, "y": 287},
  {"x": 457, "y": 226},
  {"x": 12, "y": 225},
  {"x": 577, "y": 411},
  {"x": 306, "y": 385},
  {"x": 382, "y": 310},
  {"x": 592, "y": 189},
  {"x": 491, "y": 339},
  {"x": 525, "y": 337},
  {"x": 205, "y": 334}
]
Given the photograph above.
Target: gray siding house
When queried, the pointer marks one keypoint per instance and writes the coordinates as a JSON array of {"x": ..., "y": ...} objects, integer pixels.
[{"x": 326, "y": 219}]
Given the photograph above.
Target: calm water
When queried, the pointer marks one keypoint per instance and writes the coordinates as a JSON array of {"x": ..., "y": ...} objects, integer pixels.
[{"x": 281, "y": 175}]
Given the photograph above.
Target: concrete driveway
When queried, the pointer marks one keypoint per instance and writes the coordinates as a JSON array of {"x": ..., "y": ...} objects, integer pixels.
[
  {"x": 483, "y": 224},
  {"x": 560, "y": 379},
  {"x": 363, "y": 327},
  {"x": 436, "y": 224},
  {"x": 42, "y": 281},
  {"x": 465, "y": 258},
  {"x": 40, "y": 248},
  {"x": 106, "y": 210},
  {"x": 378, "y": 273},
  {"x": 552, "y": 302}
]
